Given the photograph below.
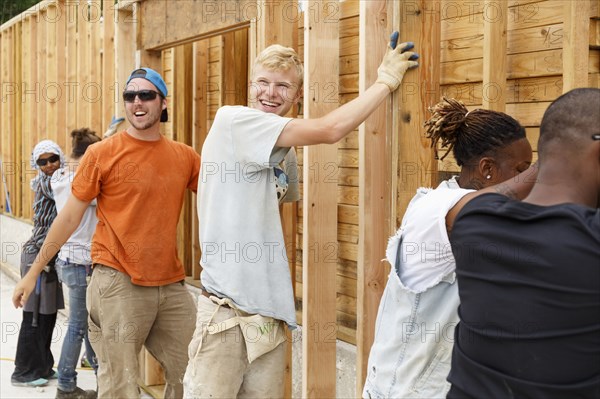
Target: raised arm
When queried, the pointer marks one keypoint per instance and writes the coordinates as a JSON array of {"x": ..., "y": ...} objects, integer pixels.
[
  {"x": 337, "y": 124},
  {"x": 517, "y": 187},
  {"x": 62, "y": 227}
]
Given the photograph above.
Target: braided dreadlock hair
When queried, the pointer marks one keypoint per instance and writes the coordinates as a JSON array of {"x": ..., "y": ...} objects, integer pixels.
[
  {"x": 81, "y": 139},
  {"x": 470, "y": 135}
]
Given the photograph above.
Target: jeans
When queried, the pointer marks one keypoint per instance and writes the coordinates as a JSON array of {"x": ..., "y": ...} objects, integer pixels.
[{"x": 74, "y": 276}]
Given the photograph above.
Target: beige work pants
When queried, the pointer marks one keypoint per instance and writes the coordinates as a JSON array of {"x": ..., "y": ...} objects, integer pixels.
[
  {"x": 218, "y": 365},
  {"x": 123, "y": 317}
]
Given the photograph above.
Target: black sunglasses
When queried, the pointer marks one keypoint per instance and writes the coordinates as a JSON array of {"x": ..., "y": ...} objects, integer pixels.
[
  {"x": 44, "y": 161},
  {"x": 143, "y": 95},
  {"x": 595, "y": 136}
]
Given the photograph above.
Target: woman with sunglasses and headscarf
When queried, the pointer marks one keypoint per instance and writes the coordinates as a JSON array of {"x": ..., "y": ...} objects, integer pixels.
[{"x": 34, "y": 360}]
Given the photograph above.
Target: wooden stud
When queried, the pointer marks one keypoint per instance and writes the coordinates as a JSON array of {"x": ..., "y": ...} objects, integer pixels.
[
  {"x": 183, "y": 75},
  {"x": 576, "y": 49},
  {"x": 199, "y": 132},
  {"x": 70, "y": 89},
  {"x": 50, "y": 89},
  {"x": 17, "y": 131},
  {"x": 42, "y": 32},
  {"x": 109, "y": 83},
  {"x": 93, "y": 92},
  {"x": 125, "y": 48},
  {"x": 276, "y": 23},
  {"x": 321, "y": 60},
  {"x": 374, "y": 198},
  {"x": 26, "y": 119},
  {"x": 495, "y": 21},
  {"x": 84, "y": 108},
  {"x": 420, "y": 23},
  {"x": 394, "y": 120},
  {"x": 33, "y": 98},
  {"x": 9, "y": 158}
]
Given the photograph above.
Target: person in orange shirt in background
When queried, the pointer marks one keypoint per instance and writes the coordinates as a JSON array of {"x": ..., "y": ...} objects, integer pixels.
[{"x": 137, "y": 294}]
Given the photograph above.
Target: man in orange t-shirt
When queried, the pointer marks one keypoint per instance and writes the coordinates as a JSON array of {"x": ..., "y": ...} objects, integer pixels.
[{"x": 136, "y": 296}]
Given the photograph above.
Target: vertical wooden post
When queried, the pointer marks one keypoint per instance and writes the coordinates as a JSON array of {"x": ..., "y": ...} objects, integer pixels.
[
  {"x": 419, "y": 22},
  {"x": 495, "y": 22},
  {"x": 125, "y": 48},
  {"x": 576, "y": 49},
  {"x": 273, "y": 27},
  {"x": 49, "y": 91},
  {"x": 60, "y": 26},
  {"x": 17, "y": 113},
  {"x": 41, "y": 61},
  {"x": 109, "y": 87},
  {"x": 200, "y": 130},
  {"x": 234, "y": 75},
  {"x": 84, "y": 50},
  {"x": 321, "y": 61},
  {"x": 27, "y": 119},
  {"x": 71, "y": 64},
  {"x": 93, "y": 92},
  {"x": 182, "y": 125},
  {"x": 374, "y": 203},
  {"x": 9, "y": 117},
  {"x": 393, "y": 119}
]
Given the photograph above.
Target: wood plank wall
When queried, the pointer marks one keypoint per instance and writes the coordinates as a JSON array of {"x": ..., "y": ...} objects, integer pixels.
[
  {"x": 55, "y": 79},
  {"x": 535, "y": 36},
  {"x": 84, "y": 59}
]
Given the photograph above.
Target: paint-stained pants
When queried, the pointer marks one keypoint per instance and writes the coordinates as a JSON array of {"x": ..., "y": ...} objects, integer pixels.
[
  {"x": 123, "y": 317},
  {"x": 219, "y": 366}
]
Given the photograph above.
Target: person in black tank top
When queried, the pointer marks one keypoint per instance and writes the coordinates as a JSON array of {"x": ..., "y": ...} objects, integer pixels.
[{"x": 529, "y": 272}]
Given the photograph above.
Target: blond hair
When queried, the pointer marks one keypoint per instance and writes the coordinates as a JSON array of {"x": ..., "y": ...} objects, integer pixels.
[{"x": 279, "y": 58}]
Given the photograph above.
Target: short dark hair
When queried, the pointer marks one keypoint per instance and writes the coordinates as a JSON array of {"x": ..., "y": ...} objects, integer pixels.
[
  {"x": 81, "y": 140},
  {"x": 569, "y": 120}
]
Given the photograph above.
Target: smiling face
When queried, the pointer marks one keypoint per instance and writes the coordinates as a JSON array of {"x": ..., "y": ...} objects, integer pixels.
[
  {"x": 274, "y": 91},
  {"x": 50, "y": 167},
  {"x": 143, "y": 115}
]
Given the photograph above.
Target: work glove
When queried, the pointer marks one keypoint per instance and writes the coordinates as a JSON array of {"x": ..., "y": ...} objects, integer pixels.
[{"x": 396, "y": 62}]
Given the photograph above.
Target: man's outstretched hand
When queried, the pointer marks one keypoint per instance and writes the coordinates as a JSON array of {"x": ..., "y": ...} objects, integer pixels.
[{"x": 397, "y": 60}]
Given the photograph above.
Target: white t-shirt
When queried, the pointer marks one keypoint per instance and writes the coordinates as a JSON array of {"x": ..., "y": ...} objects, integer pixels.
[
  {"x": 78, "y": 246},
  {"x": 243, "y": 250},
  {"x": 426, "y": 254}
]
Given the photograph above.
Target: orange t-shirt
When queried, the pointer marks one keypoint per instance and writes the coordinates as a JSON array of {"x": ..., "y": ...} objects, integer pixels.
[{"x": 140, "y": 187}]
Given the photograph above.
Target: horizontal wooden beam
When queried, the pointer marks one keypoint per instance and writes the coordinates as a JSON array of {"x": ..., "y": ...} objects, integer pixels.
[{"x": 168, "y": 23}]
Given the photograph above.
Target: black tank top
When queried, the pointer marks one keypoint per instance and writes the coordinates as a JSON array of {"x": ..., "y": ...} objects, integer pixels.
[{"x": 529, "y": 286}]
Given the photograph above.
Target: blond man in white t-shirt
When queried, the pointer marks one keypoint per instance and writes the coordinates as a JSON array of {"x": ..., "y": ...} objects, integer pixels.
[{"x": 238, "y": 348}]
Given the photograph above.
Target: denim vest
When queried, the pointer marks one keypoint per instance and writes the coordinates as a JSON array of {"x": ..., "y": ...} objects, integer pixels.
[{"x": 414, "y": 331}]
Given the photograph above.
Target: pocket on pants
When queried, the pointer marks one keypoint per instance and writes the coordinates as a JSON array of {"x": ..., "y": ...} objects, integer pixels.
[
  {"x": 205, "y": 311},
  {"x": 94, "y": 335},
  {"x": 106, "y": 278}
]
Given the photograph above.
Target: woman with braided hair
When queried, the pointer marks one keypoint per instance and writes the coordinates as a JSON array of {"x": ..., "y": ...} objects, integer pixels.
[{"x": 414, "y": 332}]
